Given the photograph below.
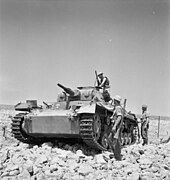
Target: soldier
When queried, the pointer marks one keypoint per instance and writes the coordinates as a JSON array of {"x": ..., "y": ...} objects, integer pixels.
[
  {"x": 103, "y": 81},
  {"x": 115, "y": 135},
  {"x": 144, "y": 124}
]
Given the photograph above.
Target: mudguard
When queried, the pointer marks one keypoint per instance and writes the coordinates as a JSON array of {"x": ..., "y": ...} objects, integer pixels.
[{"x": 90, "y": 108}]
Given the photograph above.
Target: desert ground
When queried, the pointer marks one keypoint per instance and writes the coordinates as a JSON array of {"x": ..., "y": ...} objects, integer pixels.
[{"x": 19, "y": 161}]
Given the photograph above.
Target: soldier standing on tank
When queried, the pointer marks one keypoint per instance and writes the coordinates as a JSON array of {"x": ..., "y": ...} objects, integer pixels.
[
  {"x": 117, "y": 122},
  {"x": 144, "y": 124},
  {"x": 103, "y": 81}
]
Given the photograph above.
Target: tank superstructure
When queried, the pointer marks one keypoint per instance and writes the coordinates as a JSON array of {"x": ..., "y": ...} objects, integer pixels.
[{"x": 82, "y": 113}]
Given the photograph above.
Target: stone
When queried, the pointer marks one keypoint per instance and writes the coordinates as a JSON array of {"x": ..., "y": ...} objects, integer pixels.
[
  {"x": 134, "y": 176},
  {"x": 128, "y": 170},
  {"x": 85, "y": 169},
  {"x": 12, "y": 167},
  {"x": 1, "y": 166},
  {"x": 53, "y": 167},
  {"x": 80, "y": 154},
  {"x": 54, "y": 160},
  {"x": 29, "y": 166},
  {"x": 145, "y": 162},
  {"x": 6, "y": 173},
  {"x": 40, "y": 176},
  {"x": 167, "y": 177},
  {"x": 99, "y": 159},
  {"x": 24, "y": 175},
  {"x": 62, "y": 153},
  {"x": 41, "y": 159},
  {"x": 36, "y": 170},
  {"x": 14, "y": 172},
  {"x": 72, "y": 165}
]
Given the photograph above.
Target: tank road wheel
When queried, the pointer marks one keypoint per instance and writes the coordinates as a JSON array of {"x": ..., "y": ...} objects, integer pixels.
[
  {"x": 134, "y": 135},
  {"x": 122, "y": 139},
  {"x": 129, "y": 138},
  {"x": 125, "y": 138},
  {"x": 104, "y": 140},
  {"x": 96, "y": 127}
]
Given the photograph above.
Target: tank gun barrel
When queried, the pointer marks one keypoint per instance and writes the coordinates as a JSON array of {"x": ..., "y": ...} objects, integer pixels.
[{"x": 67, "y": 90}]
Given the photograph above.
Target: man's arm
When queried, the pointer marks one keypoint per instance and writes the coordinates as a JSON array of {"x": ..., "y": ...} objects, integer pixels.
[
  {"x": 104, "y": 79},
  {"x": 118, "y": 120}
]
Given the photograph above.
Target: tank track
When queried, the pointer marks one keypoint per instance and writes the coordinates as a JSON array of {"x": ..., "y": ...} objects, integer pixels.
[
  {"x": 87, "y": 134},
  {"x": 17, "y": 131}
]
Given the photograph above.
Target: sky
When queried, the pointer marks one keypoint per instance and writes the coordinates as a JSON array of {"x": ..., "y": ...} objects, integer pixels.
[{"x": 43, "y": 42}]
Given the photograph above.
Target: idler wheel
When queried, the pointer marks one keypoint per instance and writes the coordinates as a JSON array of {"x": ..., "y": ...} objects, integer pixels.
[{"x": 96, "y": 127}]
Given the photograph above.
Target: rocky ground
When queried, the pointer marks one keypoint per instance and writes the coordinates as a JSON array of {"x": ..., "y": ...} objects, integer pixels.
[{"x": 19, "y": 161}]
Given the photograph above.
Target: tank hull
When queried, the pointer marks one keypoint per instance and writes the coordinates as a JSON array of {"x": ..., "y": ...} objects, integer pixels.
[{"x": 52, "y": 124}]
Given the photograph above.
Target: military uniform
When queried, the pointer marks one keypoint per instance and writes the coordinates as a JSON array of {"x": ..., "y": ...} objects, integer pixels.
[
  {"x": 116, "y": 134},
  {"x": 144, "y": 127}
]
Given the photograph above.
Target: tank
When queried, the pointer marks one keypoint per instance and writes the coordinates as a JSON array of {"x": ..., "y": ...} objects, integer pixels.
[{"x": 80, "y": 114}]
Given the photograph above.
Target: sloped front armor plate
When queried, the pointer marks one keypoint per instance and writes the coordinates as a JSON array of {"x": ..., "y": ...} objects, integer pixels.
[{"x": 52, "y": 122}]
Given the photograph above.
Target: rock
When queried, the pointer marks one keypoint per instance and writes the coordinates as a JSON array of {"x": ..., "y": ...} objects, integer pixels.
[
  {"x": 6, "y": 173},
  {"x": 72, "y": 165},
  {"x": 24, "y": 175},
  {"x": 35, "y": 147},
  {"x": 99, "y": 159},
  {"x": 128, "y": 170},
  {"x": 1, "y": 166},
  {"x": 85, "y": 169},
  {"x": 62, "y": 153},
  {"x": 47, "y": 172},
  {"x": 80, "y": 154},
  {"x": 53, "y": 167},
  {"x": 141, "y": 151},
  {"x": 36, "y": 170},
  {"x": 72, "y": 156},
  {"x": 145, "y": 163},
  {"x": 134, "y": 176},
  {"x": 54, "y": 160},
  {"x": 47, "y": 144},
  {"x": 29, "y": 166},
  {"x": 41, "y": 159},
  {"x": 12, "y": 167},
  {"x": 167, "y": 177},
  {"x": 106, "y": 156},
  {"x": 14, "y": 173},
  {"x": 40, "y": 176}
]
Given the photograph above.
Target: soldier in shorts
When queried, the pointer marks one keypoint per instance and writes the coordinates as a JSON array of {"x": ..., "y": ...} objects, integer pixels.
[
  {"x": 115, "y": 135},
  {"x": 144, "y": 124}
]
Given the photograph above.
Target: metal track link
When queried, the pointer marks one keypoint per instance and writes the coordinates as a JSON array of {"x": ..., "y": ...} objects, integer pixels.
[
  {"x": 18, "y": 132},
  {"x": 87, "y": 134}
]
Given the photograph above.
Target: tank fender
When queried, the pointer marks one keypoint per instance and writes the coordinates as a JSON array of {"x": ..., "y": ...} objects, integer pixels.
[{"x": 90, "y": 108}]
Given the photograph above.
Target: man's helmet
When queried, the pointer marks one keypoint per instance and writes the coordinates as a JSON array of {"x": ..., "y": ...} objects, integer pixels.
[
  {"x": 144, "y": 106},
  {"x": 100, "y": 73},
  {"x": 117, "y": 98}
]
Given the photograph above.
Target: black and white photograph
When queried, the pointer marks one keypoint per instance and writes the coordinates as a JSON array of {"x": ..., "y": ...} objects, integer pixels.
[{"x": 85, "y": 89}]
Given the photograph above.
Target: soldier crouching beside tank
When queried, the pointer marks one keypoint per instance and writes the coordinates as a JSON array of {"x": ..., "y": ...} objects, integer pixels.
[
  {"x": 115, "y": 135},
  {"x": 144, "y": 124}
]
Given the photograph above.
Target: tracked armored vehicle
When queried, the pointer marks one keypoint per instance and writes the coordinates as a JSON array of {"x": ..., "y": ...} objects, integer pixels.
[{"x": 83, "y": 113}]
